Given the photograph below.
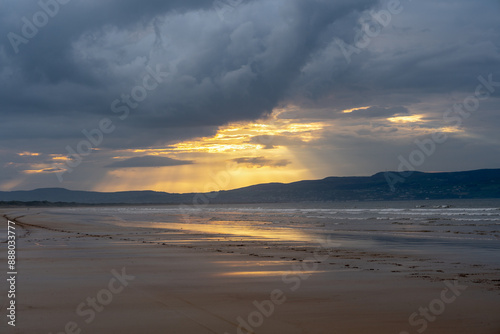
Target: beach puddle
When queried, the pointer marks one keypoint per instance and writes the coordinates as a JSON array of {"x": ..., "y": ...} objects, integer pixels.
[
  {"x": 268, "y": 273},
  {"x": 237, "y": 229}
]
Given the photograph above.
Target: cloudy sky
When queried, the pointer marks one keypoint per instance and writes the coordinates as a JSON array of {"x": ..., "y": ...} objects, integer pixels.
[{"x": 195, "y": 95}]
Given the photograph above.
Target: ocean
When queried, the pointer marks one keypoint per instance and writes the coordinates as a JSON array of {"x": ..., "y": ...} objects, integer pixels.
[{"x": 465, "y": 230}]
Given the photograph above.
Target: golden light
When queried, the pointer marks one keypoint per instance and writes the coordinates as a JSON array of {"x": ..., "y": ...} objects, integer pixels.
[
  {"x": 348, "y": 111},
  {"x": 39, "y": 169},
  {"x": 9, "y": 185},
  {"x": 232, "y": 229},
  {"x": 451, "y": 129},
  {"x": 237, "y": 136},
  {"x": 405, "y": 119},
  {"x": 59, "y": 157},
  {"x": 211, "y": 154},
  {"x": 212, "y": 146},
  {"x": 29, "y": 154},
  {"x": 271, "y": 273},
  {"x": 32, "y": 171}
]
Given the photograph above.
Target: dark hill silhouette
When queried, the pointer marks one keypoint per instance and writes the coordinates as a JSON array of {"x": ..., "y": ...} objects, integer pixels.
[{"x": 483, "y": 183}]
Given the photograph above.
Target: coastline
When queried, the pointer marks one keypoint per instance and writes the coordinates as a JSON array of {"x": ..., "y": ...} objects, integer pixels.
[{"x": 209, "y": 285}]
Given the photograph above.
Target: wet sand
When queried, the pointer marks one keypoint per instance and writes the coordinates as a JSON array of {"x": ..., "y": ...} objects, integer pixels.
[{"x": 79, "y": 274}]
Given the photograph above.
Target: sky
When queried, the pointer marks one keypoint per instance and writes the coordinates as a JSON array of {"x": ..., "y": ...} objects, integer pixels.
[{"x": 195, "y": 95}]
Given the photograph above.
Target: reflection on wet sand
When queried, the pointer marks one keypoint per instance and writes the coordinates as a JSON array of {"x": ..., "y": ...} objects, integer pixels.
[
  {"x": 271, "y": 273},
  {"x": 235, "y": 228}
]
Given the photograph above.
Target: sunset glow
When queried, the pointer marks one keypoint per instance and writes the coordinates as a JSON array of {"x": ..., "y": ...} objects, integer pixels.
[
  {"x": 29, "y": 154},
  {"x": 348, "y": 111},
  {"x": 406, "y": 119}
]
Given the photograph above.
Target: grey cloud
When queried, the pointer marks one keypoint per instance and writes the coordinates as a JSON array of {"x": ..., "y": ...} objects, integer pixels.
[
  {"x": 260, "y": 162},
  {"x": 376, "y": 131},
  {"x": 148, "y": 161},
  {"x": 270, "y": 142},
  {"x": 423, "y": 51},
  {"x": 377, "y": 112},
  {"x": 91, "y": 53}
]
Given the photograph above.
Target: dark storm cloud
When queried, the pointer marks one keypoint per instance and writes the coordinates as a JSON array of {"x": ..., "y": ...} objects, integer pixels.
[
  {"x": 148, "y": 161},
  {"x": 49, "y": 59},
  {"x": 93, "y": 55},
  {"x": 429, "y": 48}
]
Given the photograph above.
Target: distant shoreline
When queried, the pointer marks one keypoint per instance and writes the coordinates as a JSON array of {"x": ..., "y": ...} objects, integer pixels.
[
  {"x": 419, "y": 202},
  {"x": 479, "y": 184}
]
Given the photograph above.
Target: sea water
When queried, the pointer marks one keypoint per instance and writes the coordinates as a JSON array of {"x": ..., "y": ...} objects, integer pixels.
[{"x": 468, "y": 230}]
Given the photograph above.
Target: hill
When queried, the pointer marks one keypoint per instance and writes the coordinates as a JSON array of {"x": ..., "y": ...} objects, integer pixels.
[{"x": 471, "y": 184}]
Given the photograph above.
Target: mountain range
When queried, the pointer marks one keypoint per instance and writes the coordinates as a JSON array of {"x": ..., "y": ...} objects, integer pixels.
[{"x": 483, "y": 183}]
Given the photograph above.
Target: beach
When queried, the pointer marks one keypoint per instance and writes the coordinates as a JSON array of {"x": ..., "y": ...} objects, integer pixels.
[{"x": 304, "y": 268}]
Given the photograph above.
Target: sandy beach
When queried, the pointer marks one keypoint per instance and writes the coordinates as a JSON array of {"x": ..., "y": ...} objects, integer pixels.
[{"x": 86, "y": 272}]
